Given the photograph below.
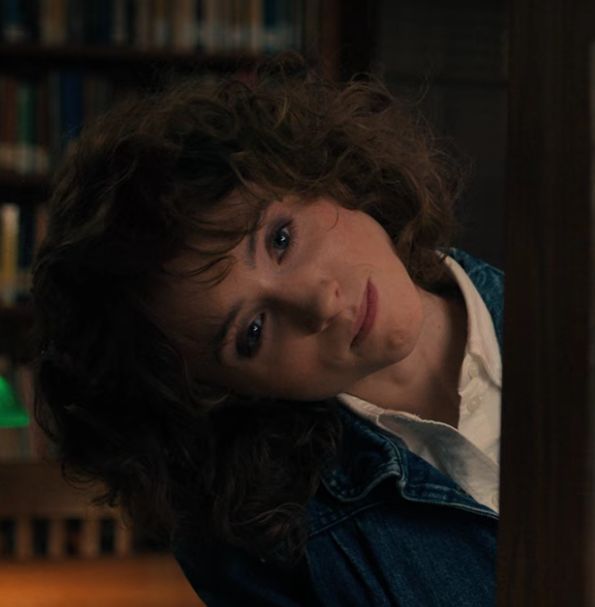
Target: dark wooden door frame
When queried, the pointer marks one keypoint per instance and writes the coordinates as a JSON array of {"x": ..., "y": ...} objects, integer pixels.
[{"x": 546, "y": 555}]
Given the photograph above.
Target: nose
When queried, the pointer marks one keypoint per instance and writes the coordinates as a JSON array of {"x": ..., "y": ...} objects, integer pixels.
[{"x": 311, "y": 303}]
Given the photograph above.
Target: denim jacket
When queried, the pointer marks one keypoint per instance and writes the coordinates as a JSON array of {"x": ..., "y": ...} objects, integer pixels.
[{"x": 385, "y": 527}]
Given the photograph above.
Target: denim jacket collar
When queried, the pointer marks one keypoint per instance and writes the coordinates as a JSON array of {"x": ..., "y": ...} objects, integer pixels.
[{"x": 368, "y": 457}]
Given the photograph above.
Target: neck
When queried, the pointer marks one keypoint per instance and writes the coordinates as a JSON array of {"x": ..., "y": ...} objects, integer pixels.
[{"x": 426, "y": 382}]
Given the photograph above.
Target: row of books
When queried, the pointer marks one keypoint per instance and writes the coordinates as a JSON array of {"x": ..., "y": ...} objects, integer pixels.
[
  {"x": 210, "y": 25},
  {"x": 39, "y": 117},
  {"x": 22, "y": 228}
]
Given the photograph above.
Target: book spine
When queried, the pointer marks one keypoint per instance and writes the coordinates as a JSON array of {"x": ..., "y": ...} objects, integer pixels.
[
  {"x": 199, "y": 26},
  {"x": 9, "y": 226},
  {"x": 71, "y": 105},
  {"x": 105, "y": 17},
  {"x": 118, "y": 25},
  {"x": 223, "y": 10},
  {"x": 13, "y": 27},
  {"x": 5, "y": 155},
  {"x": 182, "y": 25},
  {"x": 89, "y": 96},
  {"x": 43, "y": 128},
  {"x": 286, "y": 26},
  {"x": 54, "y": 119},
  {"x": 19, "y": 152},
  {"x": 34, "y": 136},
  {"x": 41, "y": 226},
  {"x": 60, "y": 20},
  {"x": 244, "y": 23},
  {"x": 45, "y": 22},
  {"x": 270, "y": 25},
  {"x": 90, "y": 22},
  {"x": 234, "y": 25},
  {"x": 10, "y": 127},
  {"x": 75, "y": 26},
  {"x": 131, "y": 10},
  {"x": 298, "y": 25},
  {"x": 142, "y": 24},
  {"x": 26, "y": 239},
  {"x": 212, "y": 26},
  {"x": 312, "y": 14},
  {"x": 30, "y": 17},
  {"x": 2, "y": 111},
  {"x": 53, "y": 22},
  {"x": 256, "y": 42},
  {"x": 161, "y": 24},
  {"x": 27, "y": 127}
]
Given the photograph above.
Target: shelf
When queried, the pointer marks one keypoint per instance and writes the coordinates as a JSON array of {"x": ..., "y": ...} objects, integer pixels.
[
  {"x": 444, "y": 79},
  {"x": 112, "y": 57},
  {"x": 19, "y": 313},
  {"x": 22, "y": 188}
]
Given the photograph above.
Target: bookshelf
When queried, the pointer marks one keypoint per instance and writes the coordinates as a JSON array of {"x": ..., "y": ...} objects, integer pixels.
[{"x": 62, "y": 63}]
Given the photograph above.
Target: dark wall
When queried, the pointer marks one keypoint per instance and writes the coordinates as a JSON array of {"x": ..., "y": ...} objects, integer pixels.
[{"x": 451, "y": 58}]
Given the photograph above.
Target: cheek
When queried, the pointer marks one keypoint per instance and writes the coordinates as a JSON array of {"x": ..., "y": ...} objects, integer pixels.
[
  {"x": 300, "y": 375},
  {"x": 404, "y": 325}
]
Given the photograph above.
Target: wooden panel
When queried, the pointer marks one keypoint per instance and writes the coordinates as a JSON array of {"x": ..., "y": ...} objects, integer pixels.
[
  {"x": 38, "y": 489},
  {"x": 547, "y": 496}
]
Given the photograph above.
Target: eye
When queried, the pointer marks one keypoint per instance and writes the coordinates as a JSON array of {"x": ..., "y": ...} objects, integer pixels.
[
  {"x": 249, "y": 340},
  {"x": 282, "y": 238}
]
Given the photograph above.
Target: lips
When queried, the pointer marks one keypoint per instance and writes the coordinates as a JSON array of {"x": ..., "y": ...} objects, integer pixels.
[{"x": 366, "y": 314}]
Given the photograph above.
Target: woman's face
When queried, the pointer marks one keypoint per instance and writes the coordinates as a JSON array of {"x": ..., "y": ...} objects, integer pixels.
[{"x": 315, "y": 301}]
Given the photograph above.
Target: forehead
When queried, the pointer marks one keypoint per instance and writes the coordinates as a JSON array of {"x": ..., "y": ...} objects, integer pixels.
[
  {"x": 211, "y": 234},
  {"x": 188, "y": 297}
]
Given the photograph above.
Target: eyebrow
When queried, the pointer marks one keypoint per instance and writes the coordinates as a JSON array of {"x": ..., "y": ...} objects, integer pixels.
[{"x": 221, "y": 334}]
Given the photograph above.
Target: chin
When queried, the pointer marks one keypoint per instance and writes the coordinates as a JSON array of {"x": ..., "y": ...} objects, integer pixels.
[{"x": 400, "y": 344}]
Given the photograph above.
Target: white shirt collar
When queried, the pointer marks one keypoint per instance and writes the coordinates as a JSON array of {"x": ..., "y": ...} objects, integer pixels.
[{"x": 482, "y": 342}]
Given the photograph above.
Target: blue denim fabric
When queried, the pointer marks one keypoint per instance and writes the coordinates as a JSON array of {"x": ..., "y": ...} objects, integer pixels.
[{"x": 385, "y": 527}]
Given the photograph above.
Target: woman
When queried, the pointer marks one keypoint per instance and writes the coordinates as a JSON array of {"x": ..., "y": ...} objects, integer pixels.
[{"x": 252, "y": 332}]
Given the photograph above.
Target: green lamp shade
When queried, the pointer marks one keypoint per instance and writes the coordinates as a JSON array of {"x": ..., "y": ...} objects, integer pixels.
[{"x": 12, "y": 413}]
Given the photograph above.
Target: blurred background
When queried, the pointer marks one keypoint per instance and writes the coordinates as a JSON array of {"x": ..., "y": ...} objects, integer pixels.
[{"x": 62, "y": 62}]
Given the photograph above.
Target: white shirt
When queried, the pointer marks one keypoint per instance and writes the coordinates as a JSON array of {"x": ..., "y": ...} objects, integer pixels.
[{"x": 470, "y": 453}]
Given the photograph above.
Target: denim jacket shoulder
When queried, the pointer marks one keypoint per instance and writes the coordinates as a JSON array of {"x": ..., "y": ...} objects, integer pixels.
[
  {"x": 373, "y": 464},
  {"x": 489, "y": 282}
]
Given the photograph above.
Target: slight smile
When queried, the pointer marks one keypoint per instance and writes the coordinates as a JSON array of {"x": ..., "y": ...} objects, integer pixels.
[{"x": 367, "y": 314}]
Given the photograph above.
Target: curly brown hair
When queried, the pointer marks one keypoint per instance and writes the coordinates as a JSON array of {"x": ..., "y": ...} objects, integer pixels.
[{"x": 113, "y": 390}]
